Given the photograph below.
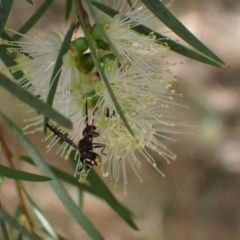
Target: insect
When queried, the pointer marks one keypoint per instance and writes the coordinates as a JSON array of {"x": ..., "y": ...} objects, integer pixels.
[{"x": 88, "y": 157}]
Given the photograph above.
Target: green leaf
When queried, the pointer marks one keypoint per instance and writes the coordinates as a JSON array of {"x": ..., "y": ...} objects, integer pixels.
[
  {"x": 63, "y": 176},
  {"x": 32, "y": 101},
  {"x": 73, "y": 181},
  {"x": 102, "y": 191},
  {"x": 163, "y": 14},
  {"x": 20, "y": 175},
  {"x": 106, "y": 194},
  {"x": 178, "y": 48},
  {"x": 20, "y": 237},
  {"x": 9, "y": 62},
  {"x": 101, "y": 70},
  {"x": 55, "y": 184},
  {"x": 6, "y": 36},
  {"x": 97, "y": 188},
  {"x": 14, "y": 223},
  {"x": 102, "y": 30},
  {"x": 4, "y": 230},
  {"x": 46, "y": 224},
  {"x": 57, "y": 68},
  {"x": 5, "y": 7},
  {"x": 130, "y": 4},
  {"x": 32, "y": 20},
  {"x": 68, "y": 8},
  {"x": 30, "y": 1},
  {"x": 174, "y": 46}
]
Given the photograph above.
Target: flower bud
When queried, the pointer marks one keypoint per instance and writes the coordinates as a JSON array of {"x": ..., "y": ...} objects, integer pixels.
[
  {"x": 97, "y": 35},
  {"x": 107, "y": 58},
  {"x": 92, "y": 98},
  {"x": 79, "y": 45},
  {"x": 85, "y": 63}
]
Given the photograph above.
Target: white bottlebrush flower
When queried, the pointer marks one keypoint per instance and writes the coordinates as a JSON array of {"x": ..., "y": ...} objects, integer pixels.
[
  {"x": 140, "y": 81},
  {"x": 36, "y": 58},
  {"x": 145, "y": 100},
  {"x": 143, "y": 51},
  {"x": 130, "y": 45},
  {"x": 37, "y": 61}
]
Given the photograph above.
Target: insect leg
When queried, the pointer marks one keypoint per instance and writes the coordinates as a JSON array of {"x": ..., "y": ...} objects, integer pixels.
[
  {"x": 61, "y": 135},
  {"x": 100, "y": 145}
]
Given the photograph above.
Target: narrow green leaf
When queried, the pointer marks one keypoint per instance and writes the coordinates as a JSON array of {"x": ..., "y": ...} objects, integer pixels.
[
  {"x": 164, "y": 15},
  {"x": 2, "y": 47},
  {"x": 17, "y": 215},
  {"x": 9, "y": 62},
  {"x": 102, "y": 30},
  {"x": 97, "y": 188},
  {"x": 68, "y": 8},
  {"x": 14, "y": 223},
  {"x": 102, "y": 191},
  {"x": 20, "y": 237},
  {"x": 80, "y": 198},
  {"x": 6, "y": 36},
  {"x": 106, "y": 194},
  {"x": 101, "y": 70},
  {"x": 57, "y": 68},
  {"x": 72, "y": 180},
  {"x": 106, "y": 9},
  {"x": 32, "y": 101},
  {"x": 59, "y": 236},
  {"x": 174, "y": 46},
  {"x": 178, "y": 48},
  {"x": 55, "y": 184},
  {"x": 1, "y": 180},
  {"x": 20, "y": 175},
  {"x": 130, "y": 4},
  {"x": 32, "y": 20},
  {"x": 4, "y": 230},
  {"x": 63, "y": 176},
  {"x": 5, "y": 7},
  {"x": 30, "y": 1},
  {"x": 46, "y": 224}
]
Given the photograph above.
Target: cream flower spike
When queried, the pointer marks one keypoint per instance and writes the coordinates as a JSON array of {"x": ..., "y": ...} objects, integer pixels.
[
  {"x": 145, "y": 100},
  {"x": 37, "y": 60}
]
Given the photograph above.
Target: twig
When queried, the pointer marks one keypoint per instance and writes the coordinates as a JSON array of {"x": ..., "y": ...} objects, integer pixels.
[
  {"x": 8, "y": 156},
  {"x": 84, "y": 13}
]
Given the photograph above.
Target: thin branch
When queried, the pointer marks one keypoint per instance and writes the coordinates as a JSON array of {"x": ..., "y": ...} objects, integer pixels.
[
  {"x": 84, "y": 13},
  {"x": 8, "y": 156}
]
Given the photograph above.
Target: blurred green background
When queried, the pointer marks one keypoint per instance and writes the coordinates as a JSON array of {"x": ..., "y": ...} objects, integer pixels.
[{"x": 199, "y": 198}]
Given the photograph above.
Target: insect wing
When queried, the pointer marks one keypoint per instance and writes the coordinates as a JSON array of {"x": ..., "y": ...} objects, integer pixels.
[{"x": 79, "y": 166}]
